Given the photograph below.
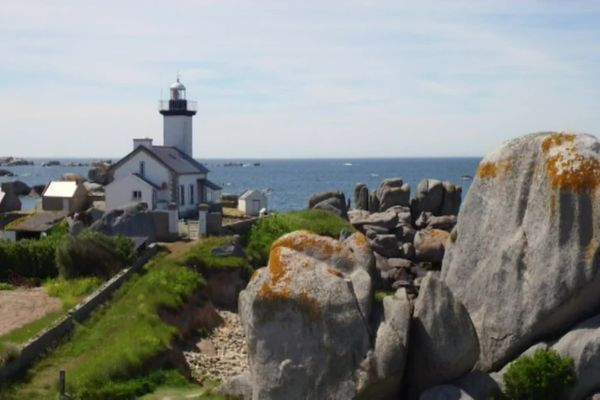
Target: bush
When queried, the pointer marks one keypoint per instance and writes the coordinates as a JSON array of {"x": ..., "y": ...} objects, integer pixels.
[
  {"x": 268, "y": 229},
  {"x": 29, "y": 258},
  {"x": 543, "y": 376},
  {"x": 93, "y": 254},
  {"x": 200, "y": 256}
]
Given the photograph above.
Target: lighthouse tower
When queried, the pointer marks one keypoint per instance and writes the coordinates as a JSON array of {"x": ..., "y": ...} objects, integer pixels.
[{"x": 178, "y": 113}]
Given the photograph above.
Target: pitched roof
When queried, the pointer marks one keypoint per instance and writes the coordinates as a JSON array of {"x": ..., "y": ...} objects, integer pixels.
[
  {"x": 248, "y": 193},
  {"x": 209, "y": 184},
  {"x": 171, "y": 157},
  {"x": 61, "y": 189},
  {"x": 146, "y": 181},
  {"x": 178, "y": 161}
]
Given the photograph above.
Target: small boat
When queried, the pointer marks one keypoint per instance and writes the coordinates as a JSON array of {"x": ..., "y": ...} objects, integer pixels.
[
  {"x": 466, "y": 177},
  {"x": 375, "y": 175},
  {"x": 348, "y": 164}
]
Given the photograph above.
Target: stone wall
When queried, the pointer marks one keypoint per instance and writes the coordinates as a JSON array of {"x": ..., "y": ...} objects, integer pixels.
[{"x": 48, "y": 338}]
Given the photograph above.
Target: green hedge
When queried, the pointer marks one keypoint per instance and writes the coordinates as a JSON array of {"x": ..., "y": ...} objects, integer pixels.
[
  {"x": 90, "y": 253},
  {"x": 268, "y": 229}
]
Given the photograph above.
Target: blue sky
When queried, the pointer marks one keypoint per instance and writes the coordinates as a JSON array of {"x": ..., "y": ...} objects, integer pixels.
[{"x": 297, "y": 78}]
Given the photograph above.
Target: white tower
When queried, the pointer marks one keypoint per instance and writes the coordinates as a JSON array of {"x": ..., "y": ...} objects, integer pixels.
[{"x": 178, "y": 113}]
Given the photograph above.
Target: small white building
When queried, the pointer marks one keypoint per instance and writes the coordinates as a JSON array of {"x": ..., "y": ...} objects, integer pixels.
[
  {"x": 251, "y": 202},
  {"x": 68, "y": 196},
  {"x": 164, "y": 175}
]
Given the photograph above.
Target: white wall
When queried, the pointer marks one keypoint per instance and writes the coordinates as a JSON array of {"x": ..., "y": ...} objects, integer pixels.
[
  {"x": 155, "y": 171},
  {"x": 177, "y": 132},
  {"x": 252, "y": 204},
  {"x": 188, "y": 180},
  {"x": 119, "y": 193}
]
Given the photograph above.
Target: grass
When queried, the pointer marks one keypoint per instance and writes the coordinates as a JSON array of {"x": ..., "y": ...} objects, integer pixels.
[
  {"x": 200, "y": 256},
  {"x": 70, "y": 292},
  {"x": 107, "y": 357},
  {"x": 6, "y": 286},
  {"x": 270, "y": 228}
]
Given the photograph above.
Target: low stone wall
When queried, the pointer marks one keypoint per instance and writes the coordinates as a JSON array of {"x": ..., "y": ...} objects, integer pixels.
[
  {"x": 48, "y": 338},
  {"x": 239, "y": 228}
]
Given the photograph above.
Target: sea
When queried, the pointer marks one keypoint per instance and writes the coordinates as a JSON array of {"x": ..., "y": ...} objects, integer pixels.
[{"x": 288, "y": 183}]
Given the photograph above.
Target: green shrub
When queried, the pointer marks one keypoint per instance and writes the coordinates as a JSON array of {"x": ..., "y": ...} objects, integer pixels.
[
  {"x": 6, "y": 286},
  {"x": 29, "y": 258},
  {"x": 71, "y": 291},
  {"x": 93, "y": 254},
  {"x": 543, "y": 376},
  {"x": 268, "y": 229},
  {"x": 8, "y": 352},
  {"x": 200, "y": 256}
]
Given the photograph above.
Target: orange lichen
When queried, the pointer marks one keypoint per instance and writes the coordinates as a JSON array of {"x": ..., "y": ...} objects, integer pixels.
[
  {"x": 306, "y": 241},
  {"x": 360, "y": 239},
  {"x": 556, "y": 139},
  {"x": 590, "y": 250},
  {"x": 276, "y": 267},
  {"x": 573, "y": 171},
  {"x": 490, "y": 170},
  {"x": 268, "y": 293}
]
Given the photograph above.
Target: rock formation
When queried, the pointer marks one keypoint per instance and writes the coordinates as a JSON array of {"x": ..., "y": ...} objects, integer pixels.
[
  {"x": 334, "y": 202},
  {"x": 523, "y": 258}
]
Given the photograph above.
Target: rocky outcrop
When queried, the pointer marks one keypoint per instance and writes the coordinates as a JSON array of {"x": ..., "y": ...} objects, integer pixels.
[
  {"x": 134, "y": 220},
  {"x": 445, "y": 392},
  {"x": 582, "y": 344},
  {"x": 5, "y": 172},
  {"x": 430, "y": 245},
  {"x": 18, "y": 188},
  {"x": 436, "y": 197},
  {"x": 361, "y": 196},
  {"x": 381, "y": 373},
  {"x": 443, "y": 342},
  {"x": 9, "y": 201},
  {"x": 297, "y": 331},
  {"x": 392, "y": 192},
  {"x": 334, "y": 202},
  {"x": 100, "y": 172},
  {"x": 527, "y": 236}
]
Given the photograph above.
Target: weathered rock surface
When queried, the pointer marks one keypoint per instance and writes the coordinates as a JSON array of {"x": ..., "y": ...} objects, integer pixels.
[
  {"x": 386, "y": 245},
  {"x": 437, "y": 197},
  {"x": 430, "y": 245},
  {"x": 582, "y": 344},
  {"x": 361, "y": 197},
  {"x": 5, "y": 172},
  {"x": 9, "y": 201},
  {"x": 19, "y": 188},
  {"x": 445, "y": 392},
  {"x": 334, "y": 202},
  {"x": 135, "y": 220},
  {"x": 100, "y": 172},
  {"x": 528, "y": 236},
  {"x": 443, "y": 343},
  {"x": 306, "y": 318},
  {"x": 382, "y": 371}
]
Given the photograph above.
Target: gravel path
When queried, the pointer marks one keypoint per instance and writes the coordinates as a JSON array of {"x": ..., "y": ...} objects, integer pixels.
[
  {"x": 222, "y": 354},
  {"x": 21, "y": 306}
]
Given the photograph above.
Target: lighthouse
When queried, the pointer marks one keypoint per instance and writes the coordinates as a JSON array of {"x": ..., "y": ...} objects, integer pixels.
[{"x": 177, "y": 119}]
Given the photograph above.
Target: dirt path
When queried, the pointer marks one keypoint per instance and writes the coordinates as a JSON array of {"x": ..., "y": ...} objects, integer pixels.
[
  {"x": 21, "y": 306},
  {"x": 222, "y": 354}
]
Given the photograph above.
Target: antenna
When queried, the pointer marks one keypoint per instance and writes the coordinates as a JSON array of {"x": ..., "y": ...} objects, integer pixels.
[{"x": 160, "y": 83}]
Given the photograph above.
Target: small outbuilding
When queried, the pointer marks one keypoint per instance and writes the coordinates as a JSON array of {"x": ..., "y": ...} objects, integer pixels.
[
  {"x": 251, "y": 202},
  {"x": 68, "y": 196}
]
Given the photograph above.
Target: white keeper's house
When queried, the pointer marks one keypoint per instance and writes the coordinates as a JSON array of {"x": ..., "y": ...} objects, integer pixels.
[{"x": 167, "y": 176}]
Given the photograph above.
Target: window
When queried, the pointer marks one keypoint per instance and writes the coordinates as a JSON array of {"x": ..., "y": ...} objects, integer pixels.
[
  {"x": 136, "y": 195},
  {"x": 192, "y": 194},
  {"x": 182, "y": 195},
  {"x": 142, "y": 168}
]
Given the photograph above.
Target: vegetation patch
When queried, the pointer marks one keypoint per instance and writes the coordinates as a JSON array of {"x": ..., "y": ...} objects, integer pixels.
[
  {"x": 6, "y": 286},
  {"x": 268, "y": 229},
  {"x": 545, "y": 375},
  {"x": 380, "y": 294},
  {"x": 200, "y": 255},
  {"x": 108, "y": 356}
]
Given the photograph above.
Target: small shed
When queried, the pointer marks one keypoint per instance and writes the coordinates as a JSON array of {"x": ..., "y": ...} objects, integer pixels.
[
  {"x": 251, "y": 202},
  {"x": 66, "y": 196}
]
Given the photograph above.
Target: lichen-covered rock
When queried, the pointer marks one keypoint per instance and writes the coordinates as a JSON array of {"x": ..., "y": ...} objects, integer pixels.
[
  {"x": 443, "y": 342},
  {"x": 430, "y": 245},
  {"x": 393, "y": 192},
  {"x": 334, "y": 202},
  {"x": 386, "y": 245},
  {"x": 527, "y": 237},
  {"x": 306, "y": 317}
]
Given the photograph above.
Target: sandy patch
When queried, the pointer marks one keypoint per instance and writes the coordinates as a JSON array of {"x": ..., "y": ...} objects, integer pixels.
[{"x": 21, "y": 306}]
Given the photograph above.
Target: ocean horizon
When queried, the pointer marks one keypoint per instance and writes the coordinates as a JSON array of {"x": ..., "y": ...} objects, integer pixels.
[{"x": 287, "y": 182}]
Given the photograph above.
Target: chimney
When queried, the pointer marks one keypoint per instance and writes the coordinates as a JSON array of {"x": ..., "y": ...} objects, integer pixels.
[{"x": 146, "y": 142}]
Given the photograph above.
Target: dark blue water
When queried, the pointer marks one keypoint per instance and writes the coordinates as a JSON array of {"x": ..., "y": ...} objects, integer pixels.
[{"x": 291, "y": 182}]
